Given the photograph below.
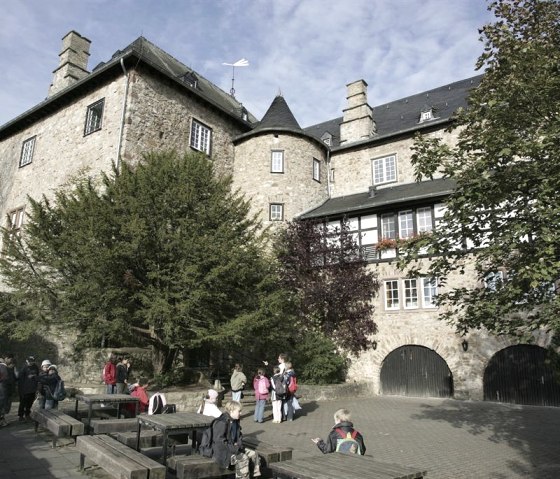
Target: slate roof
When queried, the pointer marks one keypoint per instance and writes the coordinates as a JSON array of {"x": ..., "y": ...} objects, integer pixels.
[
  {"x": 410, "y": 193},
  {"x": 403, "y": 115},
  {"x": 140, "y": 50}
]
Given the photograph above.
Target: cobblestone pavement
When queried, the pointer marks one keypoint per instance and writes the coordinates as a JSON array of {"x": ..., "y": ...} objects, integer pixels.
[{"x": 449, "y": 439}]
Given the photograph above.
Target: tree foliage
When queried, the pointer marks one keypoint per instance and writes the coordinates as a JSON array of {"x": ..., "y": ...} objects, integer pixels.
[
  {"x": 504, "y": 213},
  {"x": 330, "y": 287},
  {"x": 163, "y": 253}
]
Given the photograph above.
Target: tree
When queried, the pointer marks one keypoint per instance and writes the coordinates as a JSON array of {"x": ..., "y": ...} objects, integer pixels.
[
  {"x": 504, "y": 215},
  {"x": 330, "y": 288},
  {"x": 163, "y": 253}
]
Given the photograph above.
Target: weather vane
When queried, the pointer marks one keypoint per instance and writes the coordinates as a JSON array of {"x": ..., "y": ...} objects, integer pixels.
[{"x": 239, "y": 63}]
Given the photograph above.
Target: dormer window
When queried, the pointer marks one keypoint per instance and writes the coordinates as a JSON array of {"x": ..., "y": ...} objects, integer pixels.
[
  {"x": 426, "y": 114},
  {"x": 327, "y": 138},
  {"x": 190, "y": 79}
]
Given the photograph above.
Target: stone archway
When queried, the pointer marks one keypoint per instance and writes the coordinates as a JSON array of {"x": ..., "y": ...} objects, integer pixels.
[{"x": 416, "y": 371}]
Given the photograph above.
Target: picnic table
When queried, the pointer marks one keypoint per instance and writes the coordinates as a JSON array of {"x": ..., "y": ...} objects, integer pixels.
[
  {"x": 118, "y": 399},
  {"x": 189, "y": 423},
  {"x": 337, "y": 465}
]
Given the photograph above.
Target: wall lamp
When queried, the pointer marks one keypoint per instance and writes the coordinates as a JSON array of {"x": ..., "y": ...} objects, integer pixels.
[
  {"x": 374, "y": 345},
  {"x": 465, "y": 345}
]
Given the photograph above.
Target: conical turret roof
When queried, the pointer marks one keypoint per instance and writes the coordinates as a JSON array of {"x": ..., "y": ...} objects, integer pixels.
[{"x": 278, "y": 115}]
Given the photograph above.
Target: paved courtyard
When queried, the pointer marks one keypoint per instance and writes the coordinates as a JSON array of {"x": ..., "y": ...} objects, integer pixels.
[{"x": 450, "y": 439}]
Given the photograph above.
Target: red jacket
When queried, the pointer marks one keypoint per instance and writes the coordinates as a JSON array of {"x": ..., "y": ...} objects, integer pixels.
[{"x": 110, "y": 373}]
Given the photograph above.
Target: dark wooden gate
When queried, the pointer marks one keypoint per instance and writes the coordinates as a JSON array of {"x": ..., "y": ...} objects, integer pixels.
[
  {"x": 416, "y": 371},
  {"x": 522, "y": 374}
]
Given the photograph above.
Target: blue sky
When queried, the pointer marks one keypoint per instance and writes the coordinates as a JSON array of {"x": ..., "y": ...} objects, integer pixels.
[{"x": 306, "y": 49}]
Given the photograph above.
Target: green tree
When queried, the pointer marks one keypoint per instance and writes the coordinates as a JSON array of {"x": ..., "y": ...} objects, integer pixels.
[
  {"x": 162, "y": 253},
  {"x": 504, "y": 214},
  {"x": 328, "y": 284}
]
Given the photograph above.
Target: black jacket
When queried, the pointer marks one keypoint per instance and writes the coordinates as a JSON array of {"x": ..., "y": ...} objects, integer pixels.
[
  {"x": 47, "y": 384},
  {"x": 27, "y": 379},
  {"x": 330, "y": 444},
  {"x": 227, "y": 439}
]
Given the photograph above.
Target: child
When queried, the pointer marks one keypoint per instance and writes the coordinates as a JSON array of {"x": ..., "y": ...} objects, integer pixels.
[
  {"x": 228, "y": 443},
  {"x": 282, "y": 358},
  {"x": 237, "y": 382},
  {"x": 288, "y": 402},
  {"x": 343, "y": 432},
  {"x": 208, "y": 406},
  {"x": 261, "y": 385},
  {"x": 278, "y": 394}
]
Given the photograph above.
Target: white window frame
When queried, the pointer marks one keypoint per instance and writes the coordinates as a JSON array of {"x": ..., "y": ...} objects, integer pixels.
[
  {"x": 406, "y": 224},
  {"x": 384, "y": 170},
  {"x": 201, "y": 137},
  {"x": 410, "y": 287},
  {"x": 27, "y": 150},
  {"x": 385, "y": 232},
  {"x": 424, "y": 219},
  {"x": 429, "y": 292},
  {"x": 276, "y": 212},
  {"x": 94, "y": 117},
  {"x": 491, "y": 279},
  {"x": 277, "y": 161},
  {"x": 316, "y": 170},
  {"x": 391, "y": 297}
]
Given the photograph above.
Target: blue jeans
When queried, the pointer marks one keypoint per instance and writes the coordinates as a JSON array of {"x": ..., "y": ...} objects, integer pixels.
[
  {"x": 111, "y": 389},
  {"x": 259, "y": 410}
]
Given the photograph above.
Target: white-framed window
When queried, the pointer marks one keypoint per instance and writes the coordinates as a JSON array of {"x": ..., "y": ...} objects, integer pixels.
[
  {"x": 406, "y": 224},
  {"x": 384, "y": 169},
  {"x": 277, "y": 161},
  {"x": 201, "y": 137},
  {"x": 410, "y": 294},
  {"x": 316, "y": 169},
  {"x": 424, "y": 219},
  {"x": 94, "y": 117},
  {"x": 276, "y": 212},
  {"x": 27, "y": 149},
  {"x": 392, "y": 294},
  {"x": 426, "y": 115},
  {"x": 429, "y": 292},
  {"x": 388, "y": 227},
  {"x": 15, "y": 220},
  {"x": 493, "y": 279}
]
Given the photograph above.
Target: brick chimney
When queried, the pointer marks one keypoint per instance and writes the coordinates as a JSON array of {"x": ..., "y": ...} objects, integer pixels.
[
  {"x": 357, "y": 123},
  {"x": 73, "y": 62}
]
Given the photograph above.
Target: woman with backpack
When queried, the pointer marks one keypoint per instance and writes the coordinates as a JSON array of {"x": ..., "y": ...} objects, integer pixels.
[
  {"x": 261, "y": 385},
  {"x": 46, "y": 387},
  {"x": 278, "y": 394}
]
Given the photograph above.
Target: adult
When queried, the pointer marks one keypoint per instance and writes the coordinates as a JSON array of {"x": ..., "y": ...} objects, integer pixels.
[
  {"x": 110, "y": 374},
  {"x": 41, "y": 380},
  {"x": 237, "y": 382},
  {"x": 3, "y": 391},
  {"x": 282, "y": 358},
  {"x": 47, "y": 385},
  {"x": 11, "y": 382},
  {"x": 208, "y": 407},
  {"x": 27, "y": 387}
]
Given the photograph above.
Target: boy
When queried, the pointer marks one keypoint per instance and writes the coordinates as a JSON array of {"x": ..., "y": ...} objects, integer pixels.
[{"x": 343, "y": 432}]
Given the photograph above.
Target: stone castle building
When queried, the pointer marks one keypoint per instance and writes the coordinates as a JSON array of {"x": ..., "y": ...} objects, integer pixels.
[{"x": 356, "y": 166}]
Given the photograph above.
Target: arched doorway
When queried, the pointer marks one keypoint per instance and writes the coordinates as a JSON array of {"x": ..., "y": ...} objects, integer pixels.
[
  {"x": 522, "y": 374},
  {"x": 416, "y": 371}
]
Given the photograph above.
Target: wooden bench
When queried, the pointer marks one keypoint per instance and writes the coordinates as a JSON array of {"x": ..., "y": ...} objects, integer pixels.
[
  {"x": 120, "y": 461},
  {"x": 199, "y": 467},
  {"x": 58, "y": 423},
  {"x": 147, "y": 438},
  {"x": 106, "y": 426}
]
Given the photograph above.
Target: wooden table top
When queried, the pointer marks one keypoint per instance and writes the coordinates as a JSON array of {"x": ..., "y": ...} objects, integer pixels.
[
  {"x": 337, "y": 465},
  {"x": 108, "y": 398},
  {"x": 177, "y": 420}
]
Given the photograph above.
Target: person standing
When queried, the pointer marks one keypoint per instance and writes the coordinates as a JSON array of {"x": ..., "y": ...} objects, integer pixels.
[
  {"x": 237, "y": 382},
  {"x": 122, "y": 375},
  {"x": 282, "y": 358},
  {"x": 11, "y": 382},
  {"x": 110, "y": 374},
  {"x": 41, "y": 379},
  {"x": 27, "y": 387},
  {"x": 3, "y": 391},
  {"x": 278, "y": 394},
  {"x": 291, "y": 386},
  {"x": 47, "y": 386},
  {"x": 261, "y": 385}
]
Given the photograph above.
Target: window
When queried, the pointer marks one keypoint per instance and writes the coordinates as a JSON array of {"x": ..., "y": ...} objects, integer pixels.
[
  {"x": 94, "y": 117},
  {"x": 388, "y": 227},
  {"x": 200, "y": 137},
  {"x": 406, "y": 224},
  {"x": 316, "y": 169},
  {"x": 426, "y": 115},
  {"x": 424, "y": 219},
  {"x": 410, "y": 294},
  {"x": 493, "y": 280},
  {"x": 277, "y": 161},
  {"x": 27, "y": 149},
  {"x": 276, "y": 212},
  {"x": 384, "y": 169},
  {"x": 430, "y": 292},
  {"x": 392, "y": 294},
  {"x": 15, "y": 220}
]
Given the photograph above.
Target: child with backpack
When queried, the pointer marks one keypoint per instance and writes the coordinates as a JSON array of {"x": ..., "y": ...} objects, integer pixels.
[
  {"x": 261, "y": 385},
  {"x": 343, "y": 437},
  {"x": 290, "y": 379},
  {"x": 278, "y": 394}
]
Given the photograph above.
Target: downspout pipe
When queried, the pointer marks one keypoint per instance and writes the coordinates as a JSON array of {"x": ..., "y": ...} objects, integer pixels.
[{"x": 123, "y": 113}]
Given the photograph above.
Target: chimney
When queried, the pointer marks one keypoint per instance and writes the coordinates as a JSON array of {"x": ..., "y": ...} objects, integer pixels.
[
  {"x": 73, "y": 62},
  {"x": 357, "y": 123}
]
